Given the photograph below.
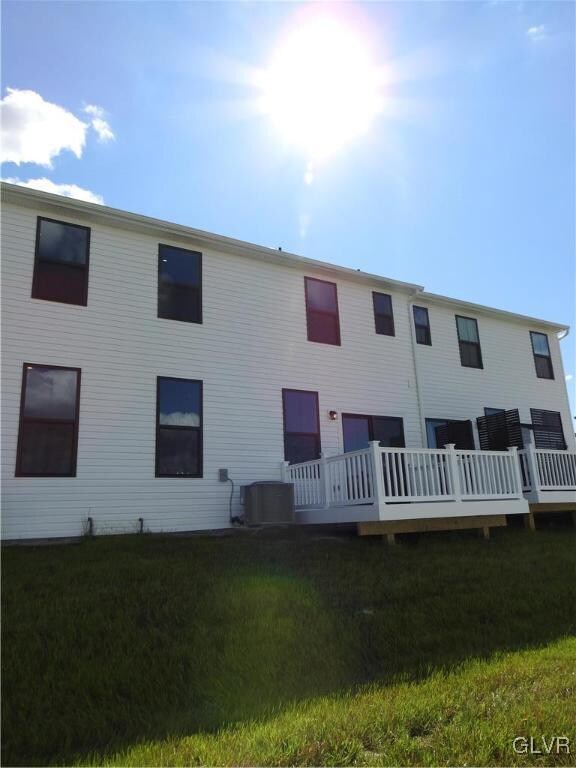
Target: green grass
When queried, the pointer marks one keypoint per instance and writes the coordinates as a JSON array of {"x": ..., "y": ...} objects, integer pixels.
[{"x": 288, "y": 648}]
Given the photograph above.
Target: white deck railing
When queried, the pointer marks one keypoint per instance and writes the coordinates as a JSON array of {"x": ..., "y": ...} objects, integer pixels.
[
  {"x": 393, "y": 475},
  {"x": 545, "y": 470}
]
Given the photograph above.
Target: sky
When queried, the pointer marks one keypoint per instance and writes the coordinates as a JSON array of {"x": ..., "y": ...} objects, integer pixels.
[{"x": 463, "y": 181}]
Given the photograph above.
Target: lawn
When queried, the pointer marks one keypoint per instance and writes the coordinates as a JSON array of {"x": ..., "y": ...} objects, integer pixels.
[{"x": 289, "y": 648}]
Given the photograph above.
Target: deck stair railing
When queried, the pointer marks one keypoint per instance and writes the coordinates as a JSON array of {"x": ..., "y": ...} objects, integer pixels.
[{"x": 392, "y": 475}]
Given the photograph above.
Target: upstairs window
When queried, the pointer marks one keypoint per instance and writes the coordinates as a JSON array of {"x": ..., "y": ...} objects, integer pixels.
[
  {"x": 178, "y": 428},
  {"x": 542, "y": 359},
  {"x": 61, "y": 262},
  {"x": 179, "y": 284},
  {"x": 547, "y": 430},
  {"x": 469, "y": 342},
  {"x": 322, "y": 311},
  {"x": 383, "y": 314},
  {"x": 422, "y": 326},
  {"x": 48, "y": 435},
  {"x": 301, "y": 425}
]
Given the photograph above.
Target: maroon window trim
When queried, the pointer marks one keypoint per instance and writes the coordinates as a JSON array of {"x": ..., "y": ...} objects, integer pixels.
[
  {"x": 193, "y": 291},
  {"x": 199, "y": 429},
  {"x": 316, "y": 434},
  {"x": 464, "y": 345},
  {"x": 422, "y": 330},
  {"x": 370, "y": 419},
  {"x": 542, "y": 363},
  {"x": 383, "y": 321},
  {"x": 311, "y": 312},
  {"x": 85, "y": 268},
  {"x": 24, "y": 420}
]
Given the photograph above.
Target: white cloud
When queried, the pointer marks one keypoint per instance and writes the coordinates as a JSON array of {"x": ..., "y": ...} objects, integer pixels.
[
  {"x": 537, "y": 33},
  {"x": 36, "y": 131},
  {"x": 569, "y": 377},
  {"x": 67, "y": 190},
  {"x": 180, "y": 419},
  {"x": 97, "y": 122}
]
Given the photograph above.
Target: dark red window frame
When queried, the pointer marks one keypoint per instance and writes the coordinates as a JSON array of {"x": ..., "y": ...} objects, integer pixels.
[
  {"x": 465, "y": 345},
  {"x": 422, "y": 330},
  {"x": 199, "y": 429},
  {"x": 37, "y": 292},
  {"x": 383, "y": 321},
  {"x": 370, "y": 418},
  {"x": 542, "y": 363},
  {"x": 167, "y": 312},
  {"x": 316, "y": 434},
  {"x": 311, "y": 313},
  {"x": 31, "y": 420}
]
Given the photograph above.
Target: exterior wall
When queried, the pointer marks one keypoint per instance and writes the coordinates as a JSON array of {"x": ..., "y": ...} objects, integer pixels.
[
  {"x": 508, "y": 379},
  {"x": 251, "y": 344}
]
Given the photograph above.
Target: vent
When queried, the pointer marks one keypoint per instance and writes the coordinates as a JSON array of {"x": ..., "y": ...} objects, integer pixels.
[
  {"x": 547, "y": 429},
  {"x": 500, "y": 431},
  {"x": 268, "y": 503},
  {"x": 457, "y": 432}
]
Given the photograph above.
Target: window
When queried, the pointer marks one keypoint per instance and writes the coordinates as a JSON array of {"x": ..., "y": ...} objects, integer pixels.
[
  {"x": 469, "y": 341},
  {"x": 431, "y": 425},
  {"x": 61, "y": 262},
  {"x": 48, "y": 435},
  {"x": 547, "y": 429},
  {"x": 179, "y": 284},
  {"x": 301, "y": 425},
  {"x": 460, "y": 433},
  {"x": 178, "y": 428},
  {"x": 455, "y": 432},
  {"x": 322, "y": 311},
  {"x": 493, "y": 411},
  {"x": 542, "y": 359},
  {"x": 359, "y": 430},
  {"x": 383, "y": 314},
  {"x": 422, "y": 325}
]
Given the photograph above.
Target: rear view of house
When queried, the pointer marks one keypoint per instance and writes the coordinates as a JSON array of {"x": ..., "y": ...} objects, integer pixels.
[{"x": 140, "y": 358}]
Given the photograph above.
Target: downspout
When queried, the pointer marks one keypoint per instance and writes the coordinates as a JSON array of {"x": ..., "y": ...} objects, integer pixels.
[
  {"x": 423, "y": 436},
  {"x": 561, "y": 336}
]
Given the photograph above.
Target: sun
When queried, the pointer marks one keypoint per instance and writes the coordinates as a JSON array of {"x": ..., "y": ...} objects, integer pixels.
[{"x": 321, "y": 89}]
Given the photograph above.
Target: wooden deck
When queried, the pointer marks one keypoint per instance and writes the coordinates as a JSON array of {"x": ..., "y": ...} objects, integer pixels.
[{"x": 389, "y": 528}]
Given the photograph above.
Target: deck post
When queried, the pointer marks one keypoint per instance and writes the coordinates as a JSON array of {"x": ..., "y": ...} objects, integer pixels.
[
  {"x": 378, "y": 475},
  {"x": 284, "y": 471},
  {"x": 517, "y": 474},
  {"x": 529, "y": 521},
  {"x": 532, "y": 460},
  {"x": 325, "y": 482},
  {"x": 454, "y": 473}
]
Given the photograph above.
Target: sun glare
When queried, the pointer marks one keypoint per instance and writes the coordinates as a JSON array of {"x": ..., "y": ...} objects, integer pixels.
[{"x": 321, "y": 89}]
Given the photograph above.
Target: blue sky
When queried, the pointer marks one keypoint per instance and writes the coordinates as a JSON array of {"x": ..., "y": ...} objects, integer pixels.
[{"x": 467, "y": 187}]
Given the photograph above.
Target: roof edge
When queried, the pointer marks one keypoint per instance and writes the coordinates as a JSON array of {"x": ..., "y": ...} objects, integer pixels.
[
  {"x": 436, "y": 298},
  {"x": 29, "y": 197},
  {"x": 147, "y": 224}
]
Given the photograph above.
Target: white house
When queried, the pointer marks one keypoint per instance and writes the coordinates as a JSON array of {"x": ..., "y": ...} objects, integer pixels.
[{"x": 140, "y": 357}]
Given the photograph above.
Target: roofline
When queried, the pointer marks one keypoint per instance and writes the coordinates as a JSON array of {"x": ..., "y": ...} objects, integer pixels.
[
  {"x": 436, "y": 298},
  {"x": 147, "y": 224}
]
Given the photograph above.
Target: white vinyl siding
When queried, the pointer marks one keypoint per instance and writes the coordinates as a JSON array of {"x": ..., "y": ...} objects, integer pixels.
[
  {"x": 251, "y": 344},
  {"x": 508, "y": 379}
]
